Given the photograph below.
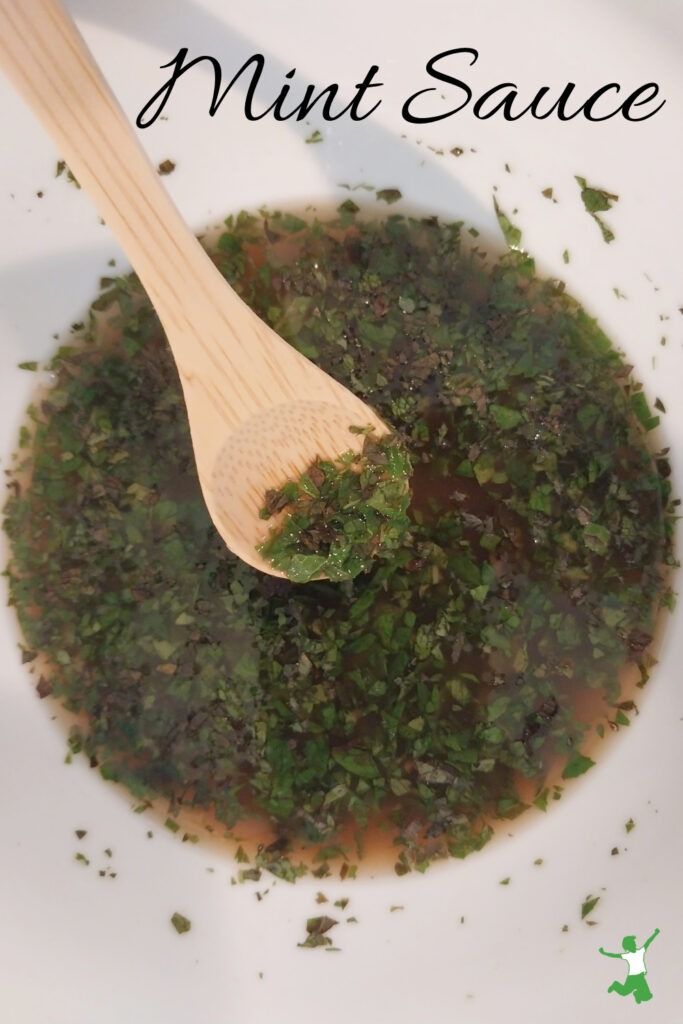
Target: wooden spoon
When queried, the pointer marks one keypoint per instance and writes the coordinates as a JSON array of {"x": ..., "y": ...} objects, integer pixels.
[{"x": 259, "y": 412}]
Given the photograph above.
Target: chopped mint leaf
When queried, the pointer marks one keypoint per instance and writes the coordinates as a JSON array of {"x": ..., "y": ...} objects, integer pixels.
[
  {"x": 577, "y": 765},
  {"x": 181, "y": 923}
]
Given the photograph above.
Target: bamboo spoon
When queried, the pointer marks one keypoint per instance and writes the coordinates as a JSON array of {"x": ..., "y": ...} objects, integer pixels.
[{"x": 259, "y": 412}]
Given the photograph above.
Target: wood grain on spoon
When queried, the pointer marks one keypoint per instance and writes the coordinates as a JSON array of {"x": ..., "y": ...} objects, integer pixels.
[{"x": 259, "y": 412}]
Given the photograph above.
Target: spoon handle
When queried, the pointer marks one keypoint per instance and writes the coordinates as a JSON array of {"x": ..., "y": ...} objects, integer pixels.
[{"x": 45, "y": 57}]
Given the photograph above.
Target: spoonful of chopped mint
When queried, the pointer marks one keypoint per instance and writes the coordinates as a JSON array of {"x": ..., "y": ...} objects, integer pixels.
[{"x": 340, "y": 514}]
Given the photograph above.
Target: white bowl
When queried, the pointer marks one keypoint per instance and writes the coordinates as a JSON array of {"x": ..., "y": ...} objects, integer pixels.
[{"x": 79, "y": 949}]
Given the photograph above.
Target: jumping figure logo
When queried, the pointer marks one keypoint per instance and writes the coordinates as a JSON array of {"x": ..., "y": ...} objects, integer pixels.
[{"x": 634, "y": 955}]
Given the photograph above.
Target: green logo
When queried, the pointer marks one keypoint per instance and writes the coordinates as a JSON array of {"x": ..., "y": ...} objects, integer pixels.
[{"x": 634, "y": 955}]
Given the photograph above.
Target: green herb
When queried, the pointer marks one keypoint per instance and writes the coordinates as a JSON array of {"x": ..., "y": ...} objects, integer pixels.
[
  {"x": 642, "y": 411},
  {"x": 588, "y": 905},
  {"x": 504, "y": 881},
  {"x": 595, "y": 201},
  {"x": 512, "y": 234},
  {"x": 577, "y": 765},
  {"x": 314, "y": 137},
  {"x": 341, "y": 514},
  {"x": 317, "y": 928},
  {"x": 31, "y": 365},
  {"x": 630, "y": 825},
  {"x": 82, "y": 859},
  {"x": 541, "y": 801},
  {"x": 249, "y": 875},
  {"x": 354, "y": 188},
  {"x": 80, "y": 833},
  {"x": 166, "y": 167},
  {"x": 389, "y": 195},
  {"x": 181, "y": 923},
  {"x": 348, "y": 206},
  {"x": 62, "y": 168}
]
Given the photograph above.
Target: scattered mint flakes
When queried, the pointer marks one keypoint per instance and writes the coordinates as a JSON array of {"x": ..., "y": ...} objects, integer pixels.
[
  {"x": 589, "y": 904},
  {"x": 630, "y": 825},
  {"x": 595, "y": 201},
  {"x": 389, "y": 195},
  {"x": 62, "y": 169},
  {"x": 505, "y": 417},
  {"x": 316, "y": 929},
  {"x": 181, "y": 923},
  {"x": 315, "y": 136},
  {"x": 512, "y": 234},
  {"x": 640, "y": 407},
  {"x": 577, "y": 765},
  {"x": 348, "y": 207},
  {"x": 541, "y": 799}
]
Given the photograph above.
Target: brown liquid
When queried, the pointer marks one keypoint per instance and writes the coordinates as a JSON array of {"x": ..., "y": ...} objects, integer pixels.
[{"x": 377, "y": 840}]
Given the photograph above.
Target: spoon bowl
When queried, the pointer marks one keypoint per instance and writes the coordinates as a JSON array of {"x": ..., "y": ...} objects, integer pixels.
[{"x": 285, "y": 438}]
